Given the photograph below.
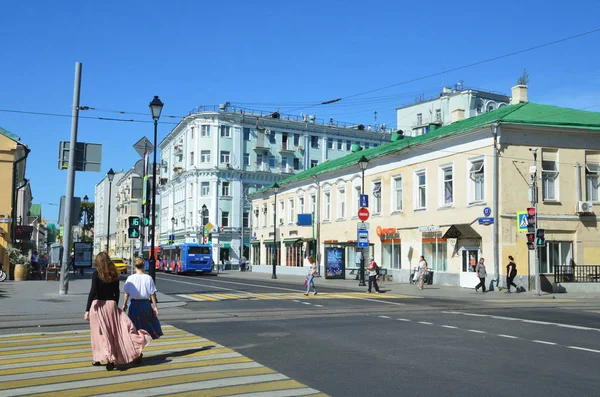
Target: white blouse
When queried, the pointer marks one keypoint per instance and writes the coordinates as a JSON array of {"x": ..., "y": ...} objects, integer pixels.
[{"x": 140, "y": 286}]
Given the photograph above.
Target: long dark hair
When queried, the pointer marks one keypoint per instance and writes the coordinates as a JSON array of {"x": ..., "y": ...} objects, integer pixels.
[{"x": 107, "y": 270}]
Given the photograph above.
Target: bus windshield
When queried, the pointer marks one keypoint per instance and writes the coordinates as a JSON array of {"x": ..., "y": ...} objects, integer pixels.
[{"x": 198, "y": 250}]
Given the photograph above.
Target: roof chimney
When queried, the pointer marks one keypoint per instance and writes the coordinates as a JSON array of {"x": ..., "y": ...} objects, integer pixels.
[
  {"x": 457, "y": 115},
  {"x": 519, "y": 94}
]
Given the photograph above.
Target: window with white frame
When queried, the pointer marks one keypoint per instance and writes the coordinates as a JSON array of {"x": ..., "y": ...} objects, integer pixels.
[
  {"x": 314, "y": 163},
  {"x": 225, "y": 131},
  {"x": 330, "y": 143},
  {"x": 397, "y": 194},
  {"x": 281, "y": 213},
  {"x": 348, "y": 145},
  {"x": 225, "y": 219},
  {"x": 477, "y": 180},
  {"x": 291, "y": 213},
  {"x": 246, "y": 131},
  {"x": 192, "y": 132},
  {"x": 301, "y": 205},
  {"x": 313, "y": 203},
  {"x": 246, "y": 159},
  {"x": 205, "y": 131},
  {"x": 327, "y": 206},
  {"x": 340, "y": 144},
  {"x": 356, "y": 199},
  {"x": 377, "y": 198},
  {"x": 272, "y": 161},
  {"x": 225, "y": 156},
  {"x": 205, "y": 156},
  {"x": 265, "y": 215},
  {"x": 420, "y": 189},
  {"x": 191, "y": 192},
  {"x": 225, "y": 189},
  {"x": 592, "y": 181},
  {"x": 272, "y": 217},
  {"x": 256, "y": 214},
  {"x": 341, "y": 203},
  {"x": 446, "y": 194},
  {"x": 555, "y": 253},
  {"x": 549, "y": 175},
  {"x": 205, "y": 189}
]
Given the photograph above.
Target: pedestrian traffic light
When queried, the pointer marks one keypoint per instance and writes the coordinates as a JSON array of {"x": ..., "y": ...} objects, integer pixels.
[
  {"x": 145, "y": 221},
  {"x": 531, "y": 220},
  {"x": 540, "y": 239},
  {"x": 210, "y": 237},
  {"x": 134, "y": 227},
  {"x": 531, "y": 241}
]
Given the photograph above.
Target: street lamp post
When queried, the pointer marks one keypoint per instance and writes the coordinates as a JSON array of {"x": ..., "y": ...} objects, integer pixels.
[
  {"x": 156, "y": 108},
  {"x": 85, "y": 210},
  {"x": 275, "y": 190},
  {"x": 111, "y": 176},
  {"x": 204, "y": 210},
  {"x": 362, "y": 164}
]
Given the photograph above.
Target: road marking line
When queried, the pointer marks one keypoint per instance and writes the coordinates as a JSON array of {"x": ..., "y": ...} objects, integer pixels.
[
  {"x": 475, "y": 314},
  {"x": 425, "y": 322},
  {"x": 449, "y": 326},
  {"x": 524, "y": 320},
  {"x": 508, "y": 336},
  {"x": 543, "y": 342},
  {"x": 536, "y": 322},
  {"x": 306, "y": 303},
  {"x": 530, "y": 300},
  {"x": 383, "y": 317},
  {"x": 477, "y": 331},
  {"x": 404, "y": 319},
  {"x": 319, "y": 305},
  {"x": 584, "y": 349}
]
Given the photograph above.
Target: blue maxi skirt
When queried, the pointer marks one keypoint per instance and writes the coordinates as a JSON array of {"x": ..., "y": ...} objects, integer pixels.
[{"x": 143, "y": 317}]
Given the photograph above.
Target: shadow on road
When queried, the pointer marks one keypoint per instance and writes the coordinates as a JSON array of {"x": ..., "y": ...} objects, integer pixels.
[{"x": 165, "y": 357}]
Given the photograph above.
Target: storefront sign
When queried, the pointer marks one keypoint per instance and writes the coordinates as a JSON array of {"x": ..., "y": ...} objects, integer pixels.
[
  {"x": 334, "y": 263},
  {"x": 383, "y": 231},
  {"x": 432, "y": 228}
]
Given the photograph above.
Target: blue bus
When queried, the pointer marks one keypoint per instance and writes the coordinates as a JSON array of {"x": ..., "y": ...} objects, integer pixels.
[
  {"x": 146, "y": 255},
  {"x": 186, "y": 258}
]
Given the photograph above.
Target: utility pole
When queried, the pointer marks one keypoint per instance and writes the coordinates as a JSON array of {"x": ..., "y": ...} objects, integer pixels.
[
  {"x": 534, "y": 202},
  {"x": 64, "y": 270}
]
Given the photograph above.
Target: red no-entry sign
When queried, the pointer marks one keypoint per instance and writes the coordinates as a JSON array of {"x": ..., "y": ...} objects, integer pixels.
[{"x": 363, "y": 214}]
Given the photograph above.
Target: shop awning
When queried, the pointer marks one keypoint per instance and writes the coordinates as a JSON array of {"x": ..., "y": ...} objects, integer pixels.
[
  {"x": 461, "y": 231},
  {"x": 254, "y": 241},
  {"x": 247, "y": 245},
  {"x": 291, "y": 240},
  {"x": 227, "y": 246}
]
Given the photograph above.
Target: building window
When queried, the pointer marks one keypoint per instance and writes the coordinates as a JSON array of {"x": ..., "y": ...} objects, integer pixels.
[
  {"x": 272, "y": 161},
  {"x": 477, "y": 177},
  {"x": 314, "y": 142},
  {"x": 296, "y": 163},
  {"x": 205, "y": 189},
  {"x": 225, "y": 189},
  {"x": 356, "y": 199},
  {"x": 301, "y": 205},
  {"x": 367, "y": 145},
  {"x": 549, "y": 175},
  {"x": 225, "y": 131},
  {"x": 281, "y": 212},
  {"x": 272, "y": 217},
  {"x": 438, "y": 115},
  {"x": 377, "y": 198},
  {"x": 330, "y": 144},
  {"x": 224, "y": 219},
  {"x": 192, "y": 132},
  {"x": 265, "y": 215},
  {"x": 225, "y": 158},
  {"x": 205, "y": 156},
  {"x": 419, "y": 119},
  {"x": 246, "y": 220},
  {"x": 340, "y": 144},
  {"x": 272, "y": 137},
  {"x": 447, "y": 186},
  {"x": 313, "y": 203},
  {"x": 592, "y": 181},
  {"x": 246, "y": 159},
  {"x": 341, "y": 203},
  {"x": 246, "y": 133},
  {"x": 555, "y": 253},
  {"x": 390, "y": 254},
  {"x": 314, "y": 163},
  {"x": 291, "y": 213},
  {"x": 284, "y": 163},
  {"x": 348, "y": 145},
  {"x": 191, "y": 192},
  {"x": 205, "y": 131},
  {"x": 296, "y": 140},
  {"x": 259, "y": 159},
  {"x": 421, "y": 189},
  {"x": 397, "y": 199},
  {"x": 436, "y": 254},
  {"x": 327, "y": 206},
  {"x": 191, "y": 158}
]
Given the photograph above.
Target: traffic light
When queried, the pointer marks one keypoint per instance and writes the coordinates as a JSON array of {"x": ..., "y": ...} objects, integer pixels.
[
  {"x": 531, "y": 220},
  {"x": 146, "y": 221},
  {"x": 531, "y": 241},
  {"x": 210, "y": 237},
  {"x": 134, "y": 227},
  {"x": 540, "y": 239}
]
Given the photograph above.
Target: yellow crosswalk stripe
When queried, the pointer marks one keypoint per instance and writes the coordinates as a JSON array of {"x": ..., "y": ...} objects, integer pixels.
[
  {"x": 179, "y": 363},
  {"x": 291, "y": 296}
]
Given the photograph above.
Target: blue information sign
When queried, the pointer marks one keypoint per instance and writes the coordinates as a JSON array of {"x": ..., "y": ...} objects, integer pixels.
[
  {"x": 304, "y": 220},
  {"x": 487, "y": 211},
  {"x": 363, "y": 239},
  {"x": 364, "y": 201}
]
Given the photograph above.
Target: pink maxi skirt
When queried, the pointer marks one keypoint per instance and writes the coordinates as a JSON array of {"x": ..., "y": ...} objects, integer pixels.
[{"x": 114, "y": 337}]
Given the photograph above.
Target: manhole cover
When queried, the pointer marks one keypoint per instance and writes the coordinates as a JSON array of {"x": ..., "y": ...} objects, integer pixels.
[{"x": 273, "y": 334}]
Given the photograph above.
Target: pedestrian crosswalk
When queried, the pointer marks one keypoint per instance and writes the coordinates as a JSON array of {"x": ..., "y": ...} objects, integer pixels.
[
  {"x": 178, "y": 364},
  {"x": 288, "y": 296}
]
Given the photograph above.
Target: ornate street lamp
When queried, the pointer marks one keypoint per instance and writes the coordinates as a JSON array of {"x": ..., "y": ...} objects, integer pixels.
[
  {"x": 111, "y": 175},
  {"x": 85, "y": 210},
  {"x": 155, "y": 108},
  {"x": 275, "y": 190}
]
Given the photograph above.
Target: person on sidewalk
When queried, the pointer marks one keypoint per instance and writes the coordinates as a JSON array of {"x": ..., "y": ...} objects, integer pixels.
[
  {"x": 511, "y": 273},
  {"x": 310, "y": 282},
  {"x": 373, "y": 269},
  {"x": 422, "y": 270},
  {"x": 114, "y": 338},
  {"x": 143, "y": 311},
  {"x": 481, "y": 274}
]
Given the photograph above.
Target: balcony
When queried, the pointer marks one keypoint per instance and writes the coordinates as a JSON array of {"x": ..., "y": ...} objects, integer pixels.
[
  {"x": 287, "y": 169},
  {"x": 262, "y": 167},
  {"x": 427, "y": 121},
  {"x": 261, "y": 146},
  {"x": 178, "y": 170},
  {"x": 286, "y": 148}
]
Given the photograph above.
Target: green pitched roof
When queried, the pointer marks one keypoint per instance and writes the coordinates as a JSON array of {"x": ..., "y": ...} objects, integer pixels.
[
  {"x": 35, "y": 210},
  {"x": 9, "y": 134},
  {"x": 522, "y": 113}
]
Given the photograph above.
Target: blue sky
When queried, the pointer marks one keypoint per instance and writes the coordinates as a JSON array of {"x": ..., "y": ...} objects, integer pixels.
[{"x": 267, "y": 55}]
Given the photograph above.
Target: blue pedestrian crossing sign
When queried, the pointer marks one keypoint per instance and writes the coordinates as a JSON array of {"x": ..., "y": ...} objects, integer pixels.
[
  {"x": 363, "y": 239},
  {"x": 364, "y": 201},
  {"x": 522, "y": 221}
]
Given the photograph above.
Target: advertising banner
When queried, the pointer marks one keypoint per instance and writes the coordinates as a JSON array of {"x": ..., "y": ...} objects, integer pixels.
[
  {"x": 83, "y": 254},
  {"x": 334, "y": 263}
]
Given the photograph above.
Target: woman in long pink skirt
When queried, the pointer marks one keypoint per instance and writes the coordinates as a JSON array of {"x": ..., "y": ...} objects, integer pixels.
[{"x": 114, "y": 337}]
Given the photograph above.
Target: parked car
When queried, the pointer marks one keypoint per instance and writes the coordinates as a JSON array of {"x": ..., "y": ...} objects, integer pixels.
[{"x": 120, "y": 264}]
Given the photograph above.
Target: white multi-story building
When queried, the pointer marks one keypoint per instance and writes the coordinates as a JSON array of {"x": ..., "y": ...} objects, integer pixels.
[
  {"x": 452, "y": 104},
  {"x": 101, "y": 221},
  {"x": 214, "y": 158},
  {"x": 129, "y": 203}
]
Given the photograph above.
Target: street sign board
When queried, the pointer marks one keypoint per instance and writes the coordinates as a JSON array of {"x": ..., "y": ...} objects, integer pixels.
[
  {"x": 88, "y": 156},
  {"x": 522, "y": 221},
  {"x": 431, "y": 228},
  {"x": 363, "y": 239},
  {"x": 487, "y": 211},
  {"x": 363, "y": 214},
  {"x": 364, "y": 201},
  {"x": 209, "y": 226},
  {"x": 486, "y": 221},
  {"x": 362, "y": 226},
  {"x": 304, "y": 220},
  {"x": 75, "y": 211},
  {"x": 143, "y": 146}
]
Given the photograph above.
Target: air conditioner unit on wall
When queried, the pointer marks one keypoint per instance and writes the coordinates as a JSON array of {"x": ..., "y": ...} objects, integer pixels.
[{"x": 584, "y": 207}]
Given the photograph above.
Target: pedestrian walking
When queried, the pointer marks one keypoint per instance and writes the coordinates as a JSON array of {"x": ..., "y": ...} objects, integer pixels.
[
  {"x": 310, "y": 278},
  {"x": 481, "y": 274},
  {"x": 143, "y": 312},
  {"x": 422, "y": 270},
  {"x": 114, "y": 337},
  {"x": 511, "y": 273},
  {"x": 373, "y": 269}
]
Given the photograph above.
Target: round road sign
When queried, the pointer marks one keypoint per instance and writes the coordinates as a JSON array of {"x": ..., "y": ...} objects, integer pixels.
[{"x": 363, "y": 214}]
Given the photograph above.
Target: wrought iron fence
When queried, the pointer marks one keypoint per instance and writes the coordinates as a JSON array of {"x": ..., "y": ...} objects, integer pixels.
[{"x": 577, "y": 274}]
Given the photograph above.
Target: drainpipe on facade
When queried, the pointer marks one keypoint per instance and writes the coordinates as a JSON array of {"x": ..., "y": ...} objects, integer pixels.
[
  {"x": 579, "y": 190},
  {"x": 496, "y": 210}
]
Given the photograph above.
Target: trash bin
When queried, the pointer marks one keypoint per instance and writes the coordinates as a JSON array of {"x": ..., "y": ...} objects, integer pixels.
[{"x": 429, "y": 277}]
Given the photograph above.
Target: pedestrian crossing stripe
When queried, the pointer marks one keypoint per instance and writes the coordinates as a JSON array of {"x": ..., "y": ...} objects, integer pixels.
[
  {"x": 289, "y": 296},
  {"x": 179, "y": 363}
]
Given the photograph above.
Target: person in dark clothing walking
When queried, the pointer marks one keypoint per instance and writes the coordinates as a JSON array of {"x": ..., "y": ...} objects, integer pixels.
[
  {"x": 511, "y": 273},
  {"x": 481, "y": 274},
  {"x": 373, "y": 269}
]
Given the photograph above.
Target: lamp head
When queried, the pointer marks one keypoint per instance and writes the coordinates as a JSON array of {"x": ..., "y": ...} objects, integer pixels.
[
  {"x": 363, "y": 162},
  {"x": 276, "y": 188},
  {"x": 156, "y": 107},
  {"x": 85, "y": 199},
  {"x": 111, "y": 175}
]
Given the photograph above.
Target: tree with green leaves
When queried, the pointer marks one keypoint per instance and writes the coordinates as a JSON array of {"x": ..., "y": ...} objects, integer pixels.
[{"x": 86, "y": 219}]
